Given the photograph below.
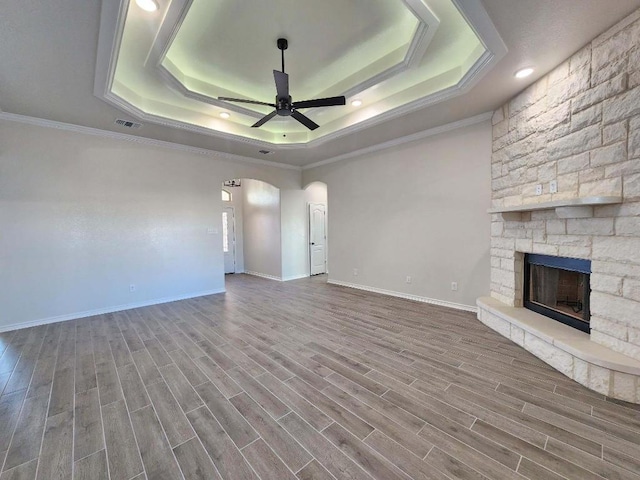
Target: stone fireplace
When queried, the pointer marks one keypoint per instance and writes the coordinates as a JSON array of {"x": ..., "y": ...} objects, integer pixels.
[{"x": 574, "y": 136}]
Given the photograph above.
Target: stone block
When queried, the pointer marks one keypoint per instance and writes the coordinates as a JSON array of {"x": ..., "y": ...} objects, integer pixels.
[
  {"x": 576, "y": 211},
  {"x": 580, "y": 59},
  {"x": 610, "y": 186},
  {"x": 611, "y": 307},
  {"x": 599, "y": 379},
  {"x": 609, "y": 327},
  {"x": 631, "y": 290},
  {"x": 558, "y": 74},
  {"x": 606, "y": 283},
  {"x": 580, "y": 371},
  {"x": 628, "y": 226},
  {"x": 622, "y": 269},
  {"x": 631, "y": 187},
  {"x": 591, "y": 175},
  {"x": 599, "y": 93},
  {"x": 614, "y": 133},
  {"x": 610, "y": 70},
  {"x": 634, "y": 79},
  {"x": 558, "y": 359},
  {"x": 498, "y": 116},
  {"x": 574, "y": 252},
  {"x": 617, "y": 28},
  {"x": 569, "y": 240},
  {"x": 524, "y": 245},
  {"x": 586, "y": 117},
  {"x": 568, "y": 88},
  {"x": 634, "y": 138},
  {"x": 574, "y": 163},
  {"x": 568, "y": 182},
  {"x": 616, "y": 153},
  {"x": 615, "y": 47},
  {"x": 634, "y": 336},
  {"x": 517, "y": 335},
  {"x": 544, "y": 249},
  {"x": 575, "y": 143},
  {"x": 546, "y": 172},
  {"x": 556, "y": 116},
  {"x": 625, "y": 105},
  {"x": 497, "y": 228},
  {"x": 500, "y": 129},
  {"x": 590, "y": 226},
  {"x": 624, "y": 387},
  {"x": 495, "y": 323},
  {"x": 629, "y": 167},
  {"x": 617, "y": 249}
]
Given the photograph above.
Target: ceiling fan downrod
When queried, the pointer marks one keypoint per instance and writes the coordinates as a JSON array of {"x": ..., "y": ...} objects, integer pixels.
[{"x": 283, "y": 44}]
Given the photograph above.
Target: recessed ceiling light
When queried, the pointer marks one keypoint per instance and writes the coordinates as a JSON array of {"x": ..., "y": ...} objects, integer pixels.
[
  {"x": 525, "y": 72},
  {"x": 148, "y": 5},
  {"x": 225, "y": 115},
  {"x": 356, "y": 103}
]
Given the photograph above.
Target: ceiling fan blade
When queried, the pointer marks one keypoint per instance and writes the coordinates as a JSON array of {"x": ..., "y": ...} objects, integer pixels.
[
  {"x": 242, "y": 100},
  {"x": 264, "y": 119},
  {"x": 306, "y": 121},
  {"x": 320, "y": 102},
  {"x": 282, "y": 83}
]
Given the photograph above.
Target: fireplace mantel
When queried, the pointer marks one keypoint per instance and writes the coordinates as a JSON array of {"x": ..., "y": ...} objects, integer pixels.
[{"x": 565, "y": 208}]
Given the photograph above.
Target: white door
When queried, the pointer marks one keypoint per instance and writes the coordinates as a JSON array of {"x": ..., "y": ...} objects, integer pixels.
[
  {"x": 317, "y": 238},
  {"x": 229, "y": 239}
]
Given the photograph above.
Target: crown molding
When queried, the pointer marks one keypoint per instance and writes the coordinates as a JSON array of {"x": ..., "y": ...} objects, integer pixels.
[
  {"x": 406, "y": 139},
  {"x": 69, "y": 127}
]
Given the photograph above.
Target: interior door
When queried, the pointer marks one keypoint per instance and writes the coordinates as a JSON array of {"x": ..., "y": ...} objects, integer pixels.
[
  {"x": 229, "y": 239},
  {"x": 317, "y": 238}
]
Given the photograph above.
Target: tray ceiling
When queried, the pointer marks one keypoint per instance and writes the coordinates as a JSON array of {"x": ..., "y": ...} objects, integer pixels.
[{"x": 169, "y": 66}]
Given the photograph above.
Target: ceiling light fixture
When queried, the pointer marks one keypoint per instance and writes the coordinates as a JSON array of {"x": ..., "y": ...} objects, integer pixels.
[
  {"x": 524, "y": 72},
  {"x": 148, "y": 5},
  {"x": 225, "y": 115},
  {"x": 356, "y": 103}
]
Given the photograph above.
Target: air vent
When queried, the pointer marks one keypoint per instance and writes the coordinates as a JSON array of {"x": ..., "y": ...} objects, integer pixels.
[
  {"x": 127, "y": 123},
  {"x": 265, "y": 152}
]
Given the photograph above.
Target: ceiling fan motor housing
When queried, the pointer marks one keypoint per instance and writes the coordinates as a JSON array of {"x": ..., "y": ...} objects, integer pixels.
[{"x": 283, "y": 106}]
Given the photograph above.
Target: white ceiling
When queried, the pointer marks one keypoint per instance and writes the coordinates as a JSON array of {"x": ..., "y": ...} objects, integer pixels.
[{"x": 49, "y": 57}]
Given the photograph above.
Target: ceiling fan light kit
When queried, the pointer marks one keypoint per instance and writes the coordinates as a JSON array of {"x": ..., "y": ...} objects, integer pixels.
[{"x": 284, "y": 106}]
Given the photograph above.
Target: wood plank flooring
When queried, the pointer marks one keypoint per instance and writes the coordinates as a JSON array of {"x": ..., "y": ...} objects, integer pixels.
[{"x": 298, "y": 380}]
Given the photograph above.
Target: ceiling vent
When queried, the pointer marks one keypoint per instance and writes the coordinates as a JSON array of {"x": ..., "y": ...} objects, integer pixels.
[
  {"x": 265, "y": 152},
  {"x": 127, "y": 123}
]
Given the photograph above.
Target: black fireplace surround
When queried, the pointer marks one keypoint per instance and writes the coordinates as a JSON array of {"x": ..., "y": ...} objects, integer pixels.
[{"x": 558, "y": 287}]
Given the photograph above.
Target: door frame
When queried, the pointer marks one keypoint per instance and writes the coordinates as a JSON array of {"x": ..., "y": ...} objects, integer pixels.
[{"x": 231, "y": 240}]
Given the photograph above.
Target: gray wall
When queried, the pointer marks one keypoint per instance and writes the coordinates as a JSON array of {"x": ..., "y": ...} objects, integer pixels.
[{"x": 415, "y": 210}]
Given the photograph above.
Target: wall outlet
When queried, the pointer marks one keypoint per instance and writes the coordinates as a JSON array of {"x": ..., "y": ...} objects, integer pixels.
[
  {"x": 539, "y": 189},
  {"x": 355, "y": 272},
  {"x": 454, "y": 286},
  {"x": 408, "y": 280},
  {"x": 553, "y": 186},
  {"x": 132, "y": 288}
]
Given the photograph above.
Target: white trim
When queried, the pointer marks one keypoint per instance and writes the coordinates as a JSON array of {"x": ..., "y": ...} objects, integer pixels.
[
  {"x": 69, "y": 127},
  {"x": 466, "y": 122},
  {"x": 101, "y": 311},
  {"x": 407, "y": 296},
  {"x": 263, "y": 275},
  {"x": 295, "y": 277}
]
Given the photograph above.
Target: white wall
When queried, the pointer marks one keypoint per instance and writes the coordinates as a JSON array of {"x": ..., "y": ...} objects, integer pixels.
[
  {"x": 238, "y": 207},
  {"x": 82, "y": 217},
  {"x": 419, "y": 210},
  {"x": 261, "y": 228},
  {"x": 294, "y": 233}
]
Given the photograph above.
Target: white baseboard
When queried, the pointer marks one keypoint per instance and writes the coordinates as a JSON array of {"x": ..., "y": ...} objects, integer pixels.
[
  {"x": 295, "y": 277},
  {"x": 416, "y": 298},
  {"x": 101, "y": 311},
  {"x": 263, "y": 275}
]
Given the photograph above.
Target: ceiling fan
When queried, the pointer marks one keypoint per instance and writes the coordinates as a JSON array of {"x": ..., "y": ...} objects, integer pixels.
[{"x": 283, "y": 105}]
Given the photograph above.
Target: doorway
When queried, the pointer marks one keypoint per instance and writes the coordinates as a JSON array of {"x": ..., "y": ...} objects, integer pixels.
[
  {"x": 229, "y": 239},
  {"x": 317, "y": 238}
]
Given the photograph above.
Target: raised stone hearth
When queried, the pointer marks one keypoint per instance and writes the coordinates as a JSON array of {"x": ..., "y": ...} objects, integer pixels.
[{"x": 578, "y": 125}]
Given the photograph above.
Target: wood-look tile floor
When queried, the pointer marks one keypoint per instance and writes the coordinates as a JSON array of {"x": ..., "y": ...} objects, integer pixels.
[{"x": 298, "y": 380}]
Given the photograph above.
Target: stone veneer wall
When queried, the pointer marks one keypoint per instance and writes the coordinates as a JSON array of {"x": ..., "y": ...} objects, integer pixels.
[{"x": 580, "y": 124}]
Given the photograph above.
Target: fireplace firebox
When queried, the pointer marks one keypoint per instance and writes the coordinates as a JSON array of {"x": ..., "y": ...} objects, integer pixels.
[{"x": 558, "y": 287}]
